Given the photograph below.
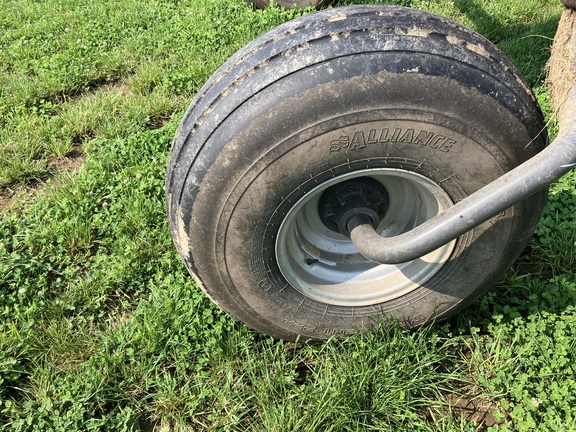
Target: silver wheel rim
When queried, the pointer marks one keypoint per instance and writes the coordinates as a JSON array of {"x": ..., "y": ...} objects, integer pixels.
[{"x": 326, "y": 266}]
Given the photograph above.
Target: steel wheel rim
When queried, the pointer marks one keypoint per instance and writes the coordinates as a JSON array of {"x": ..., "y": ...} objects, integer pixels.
[{"x": 325, "y": 266}]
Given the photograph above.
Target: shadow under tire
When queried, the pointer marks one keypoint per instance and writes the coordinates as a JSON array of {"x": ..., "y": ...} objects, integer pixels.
[{"x": 424, "y": 106}]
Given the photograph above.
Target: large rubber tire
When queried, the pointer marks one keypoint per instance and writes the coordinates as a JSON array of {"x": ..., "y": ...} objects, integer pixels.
[
  {"x": 288, "y": 4},
  {"x": 415, "y": 101}
]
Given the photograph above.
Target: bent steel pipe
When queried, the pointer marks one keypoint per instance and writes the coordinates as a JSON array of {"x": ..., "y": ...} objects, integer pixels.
[{"x": 528, "y": 178}]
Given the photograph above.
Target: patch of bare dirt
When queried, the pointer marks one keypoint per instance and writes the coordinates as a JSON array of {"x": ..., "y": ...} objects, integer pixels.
[
  {"x": 477, "y": 409},
  {"x": 71, "y": 163},
  {"x": 5, "y": 199}
]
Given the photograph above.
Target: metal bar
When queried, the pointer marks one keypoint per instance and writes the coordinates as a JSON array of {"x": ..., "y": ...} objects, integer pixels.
[{"x": 530, "y": 177}]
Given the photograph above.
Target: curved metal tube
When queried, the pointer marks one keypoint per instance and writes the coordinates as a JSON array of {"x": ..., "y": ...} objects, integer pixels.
[{"x": 528, "y": 178}]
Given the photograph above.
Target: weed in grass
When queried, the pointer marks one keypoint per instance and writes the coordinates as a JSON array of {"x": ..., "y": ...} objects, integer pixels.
[
  {"x": 22, "y": 163},
  {"x": 147, "y": 77},
  {"x": 60, "y": 147},
  {"x": 22, "y": 168}
]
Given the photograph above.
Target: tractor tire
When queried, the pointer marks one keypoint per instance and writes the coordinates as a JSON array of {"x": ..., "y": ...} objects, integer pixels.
[{"x": 410, "y": 100}]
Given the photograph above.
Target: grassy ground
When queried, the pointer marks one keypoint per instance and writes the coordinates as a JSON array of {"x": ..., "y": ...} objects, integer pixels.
[{"x": 102, "y": 329}]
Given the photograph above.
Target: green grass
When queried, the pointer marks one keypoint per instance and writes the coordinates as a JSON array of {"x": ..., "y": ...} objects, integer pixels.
[
  {"x": 102, "y": 329},
  {"x": 84, "y": 70}
]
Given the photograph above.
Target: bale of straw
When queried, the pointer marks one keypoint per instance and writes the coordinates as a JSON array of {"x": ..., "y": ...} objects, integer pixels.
[{"x": 561, "y": 68}]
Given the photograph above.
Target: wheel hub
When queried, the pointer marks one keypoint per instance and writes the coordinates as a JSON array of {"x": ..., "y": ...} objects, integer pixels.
[{"x": 353, "y": 202}]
